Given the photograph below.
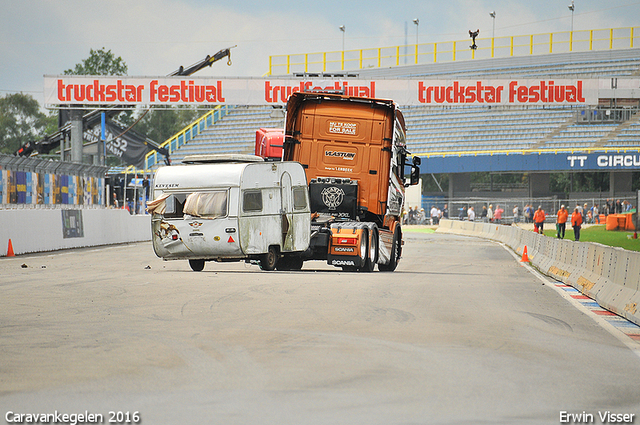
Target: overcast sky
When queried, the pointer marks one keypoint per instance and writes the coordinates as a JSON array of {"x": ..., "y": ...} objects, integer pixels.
[{"x": 155, "y": 37}]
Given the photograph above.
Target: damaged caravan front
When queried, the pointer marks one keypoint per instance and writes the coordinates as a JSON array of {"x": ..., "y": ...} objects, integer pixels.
[{"x": 230, "y": 208}]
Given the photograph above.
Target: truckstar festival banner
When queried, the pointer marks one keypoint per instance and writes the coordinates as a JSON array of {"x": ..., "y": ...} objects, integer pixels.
[{"x": 101, "y": 90}]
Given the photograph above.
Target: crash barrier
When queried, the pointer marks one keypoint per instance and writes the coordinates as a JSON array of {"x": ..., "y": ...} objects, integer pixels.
[
  {"x": 40, "y": 230},
  {"x": 608, "y": 275}
]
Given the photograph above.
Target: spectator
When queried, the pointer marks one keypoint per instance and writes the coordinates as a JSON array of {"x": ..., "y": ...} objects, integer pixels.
[
  {"x": 434, "y": 215},
  {"x": 576, "y": 223},
  {"x": 461, "y": 213},
  {"x": 471, "y": 214},
  {"x": 490, "y": 213},
  {"x": 608, "y": 206},
  {"x": 563, "y": 215},
  {"x": 497, "y": 215},
  {"x": 618, "y": 207},
  {"x": 516, "y": 214},
  {"x": 445, "y": 211},
  {"x": 596, "y": 214},
  {"x": 527, "y": 209},
  {"x": 483, "y": 214},
  {"x": 530, "y": 215},
  {"x": 538, "y": 219}
]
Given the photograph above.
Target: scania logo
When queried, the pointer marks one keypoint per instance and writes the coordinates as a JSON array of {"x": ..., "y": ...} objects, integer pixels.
[
  {"x": 332, "y": 197},
  {"x": 343, "y": 249},
  {"x": 343, "y": 263}
]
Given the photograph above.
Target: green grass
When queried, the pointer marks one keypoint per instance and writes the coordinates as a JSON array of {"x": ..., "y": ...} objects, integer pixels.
[
  {"x": 410, "y": 229},
  {"x": 597, "y": 233}
]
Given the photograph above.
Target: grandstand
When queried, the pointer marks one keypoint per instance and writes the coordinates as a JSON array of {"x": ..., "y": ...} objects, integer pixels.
[
  {"x": 465, "y": 131},
  {"x": 234, "y": 133}
]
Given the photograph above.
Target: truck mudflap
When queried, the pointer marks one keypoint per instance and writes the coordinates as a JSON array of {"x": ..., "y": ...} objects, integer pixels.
[
  {"x": 384, "y": 247},
  {"x": 349, "y": 244}
]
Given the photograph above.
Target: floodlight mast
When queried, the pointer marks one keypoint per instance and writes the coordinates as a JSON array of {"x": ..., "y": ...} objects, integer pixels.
[
  {"x": 572, "y": 7},
  {"x": 493, "y": 16}
]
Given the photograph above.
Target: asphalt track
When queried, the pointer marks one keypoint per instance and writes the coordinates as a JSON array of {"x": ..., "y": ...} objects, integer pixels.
[{"x": 461, "y": 333}]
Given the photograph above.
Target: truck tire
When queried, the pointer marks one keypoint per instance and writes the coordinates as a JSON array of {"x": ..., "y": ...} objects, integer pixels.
[
  {"x": 372, "y": 254},
  {"x": 395, "y": 252},
  {"x": 269, "y": 261},
  {"x": 196, "y": 265}
]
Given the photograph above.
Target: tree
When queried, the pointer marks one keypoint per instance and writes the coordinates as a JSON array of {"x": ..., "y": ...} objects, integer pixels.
[
  {"x": 99, "y": 62},
  {"x": 161, "y": 124},
  {"x": 21, "y": 121}
]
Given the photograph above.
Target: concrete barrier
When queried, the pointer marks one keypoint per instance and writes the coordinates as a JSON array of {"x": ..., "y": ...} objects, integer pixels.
[
  {"x": 610, "y": 276},
  {"x": 40, "y": 230}
]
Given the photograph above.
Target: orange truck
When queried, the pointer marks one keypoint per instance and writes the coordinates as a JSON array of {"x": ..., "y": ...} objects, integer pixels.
[{"x": 353, "y": 150}]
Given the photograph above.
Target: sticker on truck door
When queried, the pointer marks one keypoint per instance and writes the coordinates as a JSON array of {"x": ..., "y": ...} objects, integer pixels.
[{"x": 338, "y": 127}]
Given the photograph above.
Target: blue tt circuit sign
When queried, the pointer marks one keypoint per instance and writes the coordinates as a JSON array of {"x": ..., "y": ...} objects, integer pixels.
[{"x": 531, "y": 162}]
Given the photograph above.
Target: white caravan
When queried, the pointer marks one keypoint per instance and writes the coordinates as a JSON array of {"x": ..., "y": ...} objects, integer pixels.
[{"x": 231, "y": 208}]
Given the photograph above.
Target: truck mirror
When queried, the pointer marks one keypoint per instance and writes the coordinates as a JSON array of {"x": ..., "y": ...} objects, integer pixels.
[
  {"x": 415, "y": 175},
  {"x": 417, "y": 161}
]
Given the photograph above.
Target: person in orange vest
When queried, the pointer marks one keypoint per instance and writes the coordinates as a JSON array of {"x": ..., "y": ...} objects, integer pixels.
[
  {"x": 576, "y": 222},
  {"x": 563, "y": 215},
  {"x": 538, "y": 219}
]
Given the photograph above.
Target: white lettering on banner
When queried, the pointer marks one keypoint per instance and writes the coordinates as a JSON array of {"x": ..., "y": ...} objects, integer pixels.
[
  {"x": 572, "y": 160},
  {"x": 606, "y": 161},
  {"x": 125, "y": 90}
]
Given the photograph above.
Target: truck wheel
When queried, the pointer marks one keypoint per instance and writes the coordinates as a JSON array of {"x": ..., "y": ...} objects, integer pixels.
[
  {"x": 372, "y": 255},
  {"x": 269, "y": 260},
  {"x": 395, "y": 252},
  {"x": 364, "y": 248},
  {"x": 196, "y": 265}
]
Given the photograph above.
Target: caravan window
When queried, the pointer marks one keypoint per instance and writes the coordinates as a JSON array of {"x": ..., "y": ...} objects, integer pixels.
[
  {"x": 174, "y": 205},
  {"x": 299, "y": 198},
  {"x": 252, "y": 201},
  {"x": 206, "y": 204}
]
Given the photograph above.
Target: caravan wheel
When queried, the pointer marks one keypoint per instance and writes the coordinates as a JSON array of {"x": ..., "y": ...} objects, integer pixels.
[{"x": 269, "y": 260}]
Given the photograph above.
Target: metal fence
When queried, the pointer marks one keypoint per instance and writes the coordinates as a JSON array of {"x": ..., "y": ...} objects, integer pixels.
[
  {"x": 36, "y": 183},
  {"x": 458, "y": 207},
  {"x": 452, "y": 51}
]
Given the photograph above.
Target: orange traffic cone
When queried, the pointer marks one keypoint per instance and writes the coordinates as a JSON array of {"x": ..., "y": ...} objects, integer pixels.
[
  {"x": 10, "y": 252},
  {"x": 525, "y": 257}
]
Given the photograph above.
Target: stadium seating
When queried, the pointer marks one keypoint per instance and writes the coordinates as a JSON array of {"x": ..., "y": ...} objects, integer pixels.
[
  {"x": 466, "y": 129},
  {"x": 235, "y": 133}
]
